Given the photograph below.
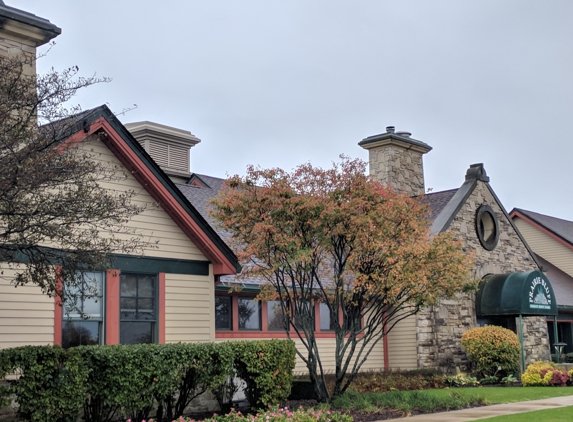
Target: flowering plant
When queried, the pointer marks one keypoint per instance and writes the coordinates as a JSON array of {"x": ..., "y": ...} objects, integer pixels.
[{"x": 276, "y": 414}]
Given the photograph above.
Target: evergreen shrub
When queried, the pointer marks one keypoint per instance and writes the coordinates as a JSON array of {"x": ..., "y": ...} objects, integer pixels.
[
  {"x": 492, "y": 350},
  {"x": 135, "y": 381}
]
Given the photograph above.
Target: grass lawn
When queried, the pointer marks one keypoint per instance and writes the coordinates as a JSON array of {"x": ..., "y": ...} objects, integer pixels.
[
  {"x": 562, "y": 414},
  {"x": 497, "y": 395}
]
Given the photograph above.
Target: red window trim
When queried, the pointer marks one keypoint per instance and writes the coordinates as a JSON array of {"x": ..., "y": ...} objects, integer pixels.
[
  {"x": 58, "y": 311},
  {"x": 264, "y": 332},
  {"x": 111, "y": 308}
]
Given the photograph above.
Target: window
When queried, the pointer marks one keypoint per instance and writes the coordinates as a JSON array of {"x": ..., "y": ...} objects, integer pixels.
[
  {"x": 249, "y": 314},
  {"x": 275, "y": 316},
  {"x": 223, "y": 313},
  {"x": 83, "y": 311},
  {"x": 138, "y": 308},
  {"x": 487, "y": 227},
  {"x": 326, "y": 323}
]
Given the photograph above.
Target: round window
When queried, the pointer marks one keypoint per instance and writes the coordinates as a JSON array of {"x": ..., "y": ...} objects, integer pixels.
[{"x": 487, "y": 227}]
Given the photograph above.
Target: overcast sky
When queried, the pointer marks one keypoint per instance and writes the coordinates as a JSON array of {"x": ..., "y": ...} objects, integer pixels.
[{"x": 279, "y": 83}]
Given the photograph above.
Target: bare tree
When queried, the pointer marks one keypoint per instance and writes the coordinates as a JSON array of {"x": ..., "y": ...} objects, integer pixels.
[{"x": 56, "y": 218}]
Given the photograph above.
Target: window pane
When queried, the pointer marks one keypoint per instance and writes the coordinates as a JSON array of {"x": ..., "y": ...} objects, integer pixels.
[
  {"x": 128, "y": 285},
  {"x": 136, "y": 332},
  {"x": 77, "y": 333},
  {"x": 128, "y": 307},
  {"x": 146, "y": 309},
  {"x": 275, "y": 316},
  {"x": 223, "y": 319},
  {"x": 85, "y": 296},
  {"x": 326, "y": 324},
  {"x": 146, "y": 286},
  {"x": 249, "y": 314},
  {"x": 93, "y": 308}
]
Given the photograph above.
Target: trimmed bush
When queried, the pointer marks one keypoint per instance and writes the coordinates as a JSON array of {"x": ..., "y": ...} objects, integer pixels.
[
  {"x": 133, "y": 382},
  {"x": 52, "y": 385},
  {"x": 492, "y": 350}
]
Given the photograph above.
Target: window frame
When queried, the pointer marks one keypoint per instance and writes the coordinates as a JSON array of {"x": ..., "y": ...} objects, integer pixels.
[
  {"x": 67, "y": 318},
  {"x": 264, "y": 331},
  {"x": 156, "y": 293}
]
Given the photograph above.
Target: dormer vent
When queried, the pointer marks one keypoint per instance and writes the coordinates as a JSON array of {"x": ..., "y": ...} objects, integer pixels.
[{"x": 168, "y": 146}]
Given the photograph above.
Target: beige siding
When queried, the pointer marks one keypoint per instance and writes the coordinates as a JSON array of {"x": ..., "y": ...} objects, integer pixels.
[
  {"x": 189, "y": 307},
  {"x": 26, "y": 315},
  {"x": 166, "y": 240},
  {"x": 546, "y": 247},
  {"x": 402, "y": 346}
]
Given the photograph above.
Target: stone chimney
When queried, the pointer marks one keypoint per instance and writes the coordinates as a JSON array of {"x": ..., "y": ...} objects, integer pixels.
[
  {"x": 169, "y": 147},
  {"x": 396, "y": 159},
  {"x": 21, "y": 32}
]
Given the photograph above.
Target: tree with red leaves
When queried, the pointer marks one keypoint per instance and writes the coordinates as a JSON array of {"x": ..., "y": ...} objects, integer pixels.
[{"x": 338, "y": 237}]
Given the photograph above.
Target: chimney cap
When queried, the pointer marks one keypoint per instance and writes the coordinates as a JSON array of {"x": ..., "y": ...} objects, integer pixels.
[
  {"x": 45, "y": 29},
  {"x": 152, "y": 130},
  {"x": 400, "y": 138},
  {"x": 477, "y": 172}
]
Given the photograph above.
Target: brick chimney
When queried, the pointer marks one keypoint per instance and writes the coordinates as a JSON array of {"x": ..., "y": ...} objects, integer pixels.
[
  {"x": 396, "y": 159},
  {"x": 21, "y": 32},
  {"x": 169, "y": 147}
]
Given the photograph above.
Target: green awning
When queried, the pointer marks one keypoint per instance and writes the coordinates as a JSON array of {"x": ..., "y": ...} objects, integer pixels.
[{"x": 528, "y": 293}]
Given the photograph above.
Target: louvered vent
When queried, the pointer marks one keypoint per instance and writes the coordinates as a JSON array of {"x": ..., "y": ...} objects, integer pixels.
[
  {"x": 159, "y": 151},
  {"x": 169, "y": 147}
]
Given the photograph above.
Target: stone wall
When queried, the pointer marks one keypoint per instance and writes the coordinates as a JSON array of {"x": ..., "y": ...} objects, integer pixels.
[
  {"x": 11, "y": 46},
  {"x": 535, "y": 339},
  {"x": 440, "y": 327},
  {"x": 398, "y": 167}
]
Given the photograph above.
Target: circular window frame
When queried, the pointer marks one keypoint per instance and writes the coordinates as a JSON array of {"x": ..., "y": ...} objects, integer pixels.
[{"x": 491, "y": 242}]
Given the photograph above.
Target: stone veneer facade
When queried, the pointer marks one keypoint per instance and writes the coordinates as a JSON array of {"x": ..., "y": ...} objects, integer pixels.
[
  {"x": 439, "y": 328},
  {"x": 398, "y": 167}
]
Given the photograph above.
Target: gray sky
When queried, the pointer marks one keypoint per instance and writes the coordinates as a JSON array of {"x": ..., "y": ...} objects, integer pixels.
[{"x": 278, "y": 83}]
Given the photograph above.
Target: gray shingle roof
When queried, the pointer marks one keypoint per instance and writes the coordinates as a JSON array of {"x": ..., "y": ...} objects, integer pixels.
[
  {"x": 559, "y": 227},
  {"x": 437, "y": 201},
  {"x": 200, "y": 197}
]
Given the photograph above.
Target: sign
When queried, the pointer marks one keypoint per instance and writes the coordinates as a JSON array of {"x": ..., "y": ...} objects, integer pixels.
[{"x": 539, "y": 294}]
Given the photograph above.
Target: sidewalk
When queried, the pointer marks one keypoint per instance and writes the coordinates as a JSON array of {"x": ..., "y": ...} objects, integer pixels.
[{"x": 494, "y": 410}]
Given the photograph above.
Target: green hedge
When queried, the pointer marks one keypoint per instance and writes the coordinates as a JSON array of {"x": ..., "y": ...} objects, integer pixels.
[{"x": 132, "y": 382}]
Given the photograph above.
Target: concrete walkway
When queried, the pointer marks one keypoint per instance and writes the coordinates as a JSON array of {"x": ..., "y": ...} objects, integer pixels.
[{"x": 494, "y": 410}]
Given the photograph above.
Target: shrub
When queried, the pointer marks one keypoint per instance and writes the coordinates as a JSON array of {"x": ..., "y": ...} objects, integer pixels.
[
  {"x": 568, "y": 358},
  {"x": 52, "y": 383},
  {"x": 266, "y": 367},
  {"x": 130, "y": 381},
  {"x": 544, "y": 373},
  {"x": 492, "y": 350},
  {"x": 381, "y": 381}
]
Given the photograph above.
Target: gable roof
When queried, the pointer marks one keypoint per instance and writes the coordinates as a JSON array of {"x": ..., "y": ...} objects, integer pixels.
[
  {"x": 563, "y": 229},
  {"x": 437, "y": 201},
  {"x": 102, "y": 122}
]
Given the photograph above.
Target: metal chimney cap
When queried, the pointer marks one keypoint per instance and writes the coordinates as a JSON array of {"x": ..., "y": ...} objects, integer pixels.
[
  {"x": 404, "y": 134},
  {"x": 390, "y": 129}
]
